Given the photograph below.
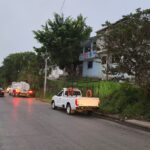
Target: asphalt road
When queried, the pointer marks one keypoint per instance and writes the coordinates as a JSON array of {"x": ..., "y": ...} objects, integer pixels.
[{"x": 27, "y": 124}]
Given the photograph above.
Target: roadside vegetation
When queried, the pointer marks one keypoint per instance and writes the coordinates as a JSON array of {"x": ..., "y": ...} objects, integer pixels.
[
  {"x": 128, "y": 39},
  {"x": 128, "y": 101},
  {"x": 60, "y": 39},
  {"x": 123, "y": 99},
  {"x": 20, "y": 67}
]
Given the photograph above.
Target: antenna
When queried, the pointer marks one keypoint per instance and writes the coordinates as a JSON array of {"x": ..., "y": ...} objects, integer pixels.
[{"x": 61, "y": 9}]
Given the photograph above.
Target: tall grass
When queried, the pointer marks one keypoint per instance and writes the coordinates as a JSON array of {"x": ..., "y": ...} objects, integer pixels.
[{"x": 106, "y": 88}]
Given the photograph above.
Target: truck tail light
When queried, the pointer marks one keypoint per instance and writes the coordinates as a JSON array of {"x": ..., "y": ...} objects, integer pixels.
[
  {"x": 17, "y": 91},
  {"x": 76, "y": 103},
  {"x": 14, "y": 91},
  {"x": 30, "y": 92}
]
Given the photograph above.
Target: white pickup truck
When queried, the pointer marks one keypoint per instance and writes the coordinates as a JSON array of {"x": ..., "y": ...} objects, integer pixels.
[{"x": 74, "y": 102}]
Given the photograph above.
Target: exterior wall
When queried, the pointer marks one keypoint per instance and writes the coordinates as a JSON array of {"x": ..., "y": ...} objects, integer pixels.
[{"x": 95, "y": 71}]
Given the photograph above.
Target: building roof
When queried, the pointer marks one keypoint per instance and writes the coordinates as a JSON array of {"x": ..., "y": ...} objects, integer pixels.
[{"x": 105, "y": 28}]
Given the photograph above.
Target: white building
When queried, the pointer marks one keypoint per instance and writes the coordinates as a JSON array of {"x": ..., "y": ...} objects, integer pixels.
[
  {"x": 95, "y": 60},
  {"x": 56, "y": 72},
  {"x": 92, "y": 64}
]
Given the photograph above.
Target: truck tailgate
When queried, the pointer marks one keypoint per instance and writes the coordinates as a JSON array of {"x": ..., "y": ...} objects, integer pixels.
[{"x": 88, "y": 101}]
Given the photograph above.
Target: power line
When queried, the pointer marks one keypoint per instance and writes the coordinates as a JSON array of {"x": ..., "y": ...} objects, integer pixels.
[{"x": 63, "y": 3}]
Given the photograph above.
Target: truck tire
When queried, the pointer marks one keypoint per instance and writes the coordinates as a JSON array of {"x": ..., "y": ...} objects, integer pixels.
[
  {"x": 53, "y": 105},
  {"x": 69, "y": 110}
]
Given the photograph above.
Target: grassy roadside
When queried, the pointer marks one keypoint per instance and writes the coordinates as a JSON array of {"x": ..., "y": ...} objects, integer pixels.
[
  {"x": 129, "y": 101},
  {"x": 122, "y": 99},
  {"x": 39, "y": 96}
]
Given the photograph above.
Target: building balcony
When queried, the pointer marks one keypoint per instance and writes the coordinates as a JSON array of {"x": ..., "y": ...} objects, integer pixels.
[{"x": 88, "y": 55}]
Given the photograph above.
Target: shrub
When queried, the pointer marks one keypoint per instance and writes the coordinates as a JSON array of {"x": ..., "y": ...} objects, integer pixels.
[{"x": 128, "y": 101}]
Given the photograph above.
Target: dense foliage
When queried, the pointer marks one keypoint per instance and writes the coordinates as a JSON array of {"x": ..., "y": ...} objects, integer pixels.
[
  {"x": 129, "y": 40},
  {"x": 128, "y": 101},
  {"x": 61, "y": 39},
  {"x": 20, "y": 66}
]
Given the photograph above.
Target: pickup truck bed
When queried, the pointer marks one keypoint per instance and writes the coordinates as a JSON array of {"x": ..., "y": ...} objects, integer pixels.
[{"x": 88, "y": 101}]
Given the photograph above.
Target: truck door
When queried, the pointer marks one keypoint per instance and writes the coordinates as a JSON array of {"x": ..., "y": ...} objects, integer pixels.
[{"x": 59, "y": 99}]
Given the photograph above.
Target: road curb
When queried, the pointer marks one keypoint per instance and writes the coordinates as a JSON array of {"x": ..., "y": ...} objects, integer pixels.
[
  {"x": 42, "y": 100},
  {"x": 122, "y": 121}
]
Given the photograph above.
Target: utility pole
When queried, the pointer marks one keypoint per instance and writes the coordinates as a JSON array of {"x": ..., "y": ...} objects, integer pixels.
[
  {"x": 45, "y": 78},
  {"x": 107, "y": 66}
]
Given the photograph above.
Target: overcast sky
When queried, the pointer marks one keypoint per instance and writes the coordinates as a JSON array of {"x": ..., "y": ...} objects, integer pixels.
[{"x": 20, "y": 17}]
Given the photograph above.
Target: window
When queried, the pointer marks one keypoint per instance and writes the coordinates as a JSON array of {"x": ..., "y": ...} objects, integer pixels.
[
  {"x": 60, "y": 93},
  {"x": 77, "y": 93},
  {"x": 66, "y": 93},
  {"x": 90, "y": 64},
  {"x": 104, "y": 58}
]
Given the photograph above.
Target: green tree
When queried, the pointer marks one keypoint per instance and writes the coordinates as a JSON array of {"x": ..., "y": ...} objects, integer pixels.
[
  {"x": 61, "y": 38},
  {"x": 20, "y": 66},
  {"x": 2, "y": 79},
  {"x": 129, "y": 39}
]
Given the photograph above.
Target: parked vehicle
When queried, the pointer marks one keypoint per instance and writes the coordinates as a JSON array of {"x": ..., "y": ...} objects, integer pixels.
[
  {"x": 72, "y": 101},
  {"x": 21, "y": 89},
  {"x": 2, "y": 92}
]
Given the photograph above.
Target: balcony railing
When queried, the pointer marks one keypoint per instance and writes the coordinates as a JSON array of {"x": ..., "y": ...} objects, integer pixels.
[{"x": 88, "y": 55}]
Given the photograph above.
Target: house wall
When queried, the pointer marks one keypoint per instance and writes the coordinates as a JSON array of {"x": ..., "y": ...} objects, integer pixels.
[{"x": 95, "y": 71}]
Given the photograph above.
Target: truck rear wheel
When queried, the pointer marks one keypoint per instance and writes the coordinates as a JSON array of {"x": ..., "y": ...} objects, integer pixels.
[{"x": 68, "y": 109}]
